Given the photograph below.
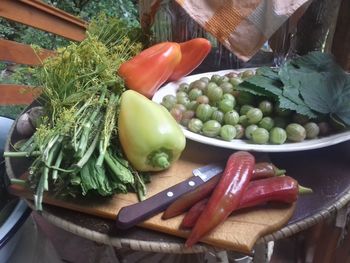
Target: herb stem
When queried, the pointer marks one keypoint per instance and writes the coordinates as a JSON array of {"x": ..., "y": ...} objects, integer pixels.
[
  {"x": 89, "y": 152},
  {"x": 22, "y": 154},
  {"x": 57, "y": 164},
  {"x": 88, "y": 127},
  {"x": 110, "y": 119},
  {"x": 18, "y": 181},
  {"x": 44, "y": 179},
  {"x": 26, "y": 145}
]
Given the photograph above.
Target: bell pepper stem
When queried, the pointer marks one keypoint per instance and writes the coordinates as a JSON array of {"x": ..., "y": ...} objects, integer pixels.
[{"x": 161, "y": 160}]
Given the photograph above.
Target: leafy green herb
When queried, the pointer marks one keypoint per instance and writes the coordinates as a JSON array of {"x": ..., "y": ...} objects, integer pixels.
[
  {"x": 80, "y": 96},
  {"x": 122, "y": 172},
  {"x": 312, "y": 85}
]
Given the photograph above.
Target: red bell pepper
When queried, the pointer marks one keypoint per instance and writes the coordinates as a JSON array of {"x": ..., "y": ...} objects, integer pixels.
[
  {"x": 182, "y": 204},
  {"x": 148, "y": 70},
  {"x": 193, "y": 53},
  {"x": 280, "y": 189},
  {"x": 226, "y": 196}
]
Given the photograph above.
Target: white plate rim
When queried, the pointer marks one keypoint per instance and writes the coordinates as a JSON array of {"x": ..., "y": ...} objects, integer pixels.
[{"x": 238, "y": 144}]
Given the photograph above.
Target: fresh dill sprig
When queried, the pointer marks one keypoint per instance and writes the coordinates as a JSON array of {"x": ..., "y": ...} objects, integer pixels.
[{"x": 80, "y": 95}]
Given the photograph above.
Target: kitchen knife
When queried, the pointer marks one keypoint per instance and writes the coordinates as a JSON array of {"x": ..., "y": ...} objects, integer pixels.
[{"x": 131, "y": 215}]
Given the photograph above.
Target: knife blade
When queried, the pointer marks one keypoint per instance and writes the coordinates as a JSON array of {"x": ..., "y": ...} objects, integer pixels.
[{"x": 132, "y": 215}]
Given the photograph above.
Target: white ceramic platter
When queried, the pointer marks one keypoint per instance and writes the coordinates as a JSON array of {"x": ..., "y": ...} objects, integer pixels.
[{"x": 245, "y": 145}]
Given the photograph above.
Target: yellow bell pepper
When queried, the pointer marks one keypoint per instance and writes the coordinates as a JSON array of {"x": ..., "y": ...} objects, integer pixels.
[{"x": 150, "y": 137}]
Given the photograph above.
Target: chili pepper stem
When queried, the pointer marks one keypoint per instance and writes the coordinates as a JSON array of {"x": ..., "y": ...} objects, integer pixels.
[
  {"x": 305, "y": 190},
  {"x": 280, "y": 172}
]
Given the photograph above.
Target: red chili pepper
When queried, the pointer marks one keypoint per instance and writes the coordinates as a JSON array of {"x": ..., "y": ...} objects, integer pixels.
[
  {"x": 193, "y": 53},
  {"x": 148, "y": 70},
  {"x": 186, "y": 201},
  {"x": 280, "y": 189},
  {"x": 193, "y": 214},
  {"x": 226, "y": 195},
  {"x": 182, "y": 204},
  {"x": 265, "y": 169}
]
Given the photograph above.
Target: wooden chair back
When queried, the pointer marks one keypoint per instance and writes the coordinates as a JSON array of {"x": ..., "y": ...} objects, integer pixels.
[{"x": 36, "y": 14}]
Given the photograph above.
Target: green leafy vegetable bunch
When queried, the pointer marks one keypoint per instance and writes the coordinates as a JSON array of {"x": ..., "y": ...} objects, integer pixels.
[
  {"x": 313, "y": 85},
  {"x": 76, "y": 146}
]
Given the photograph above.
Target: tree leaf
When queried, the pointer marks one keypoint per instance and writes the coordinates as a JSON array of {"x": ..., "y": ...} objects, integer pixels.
[
  {"x": 269, "y": 85},
  {"x": 342, "y": 95},
  {"x": 292, "y": 86},
  {"x": 253, "y": 89},
  {"x": 316, "y": 83},
  {"x": 321, "y": 92},
  {"x": 271, "y": 73},
  {"x": 286, "y": 103},
  {"x": 311, "y": 85},
  {"x": 317, "y": 61}
]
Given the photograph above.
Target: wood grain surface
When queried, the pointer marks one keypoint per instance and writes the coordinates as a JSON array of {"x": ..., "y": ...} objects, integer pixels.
[{"x": 238, "y": 233}]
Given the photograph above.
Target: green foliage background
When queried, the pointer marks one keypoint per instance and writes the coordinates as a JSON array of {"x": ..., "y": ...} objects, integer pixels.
[{"x": 84, "y": 9}]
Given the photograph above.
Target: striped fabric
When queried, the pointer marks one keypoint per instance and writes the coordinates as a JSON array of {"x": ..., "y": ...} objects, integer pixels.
[{"x": 243, "y": 26}]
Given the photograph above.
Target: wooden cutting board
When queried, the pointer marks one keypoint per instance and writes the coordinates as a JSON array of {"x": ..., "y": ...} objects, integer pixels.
[{"x": 238, "y": 233}]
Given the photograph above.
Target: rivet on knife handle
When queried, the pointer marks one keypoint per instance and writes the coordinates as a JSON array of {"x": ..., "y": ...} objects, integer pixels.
[{"x": 132, "y": 215}]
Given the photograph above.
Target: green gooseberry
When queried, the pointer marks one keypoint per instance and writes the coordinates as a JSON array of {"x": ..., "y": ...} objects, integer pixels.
[
  {"x": 266, "y": 123},
  {"x": 249, "y": 130},
  {"x": 266, "y": 107},
  {"x": 231, "y": 117},
  {"x": 295, "y": 132},
  {"x": 211, "y": 128},
  {"x": 169, "y": 101},
  {"x": 195, "y": 125},
  {"x": 312, "y": 130},
  {"x": 239, "y": 131},
  {"x": 218, "y": 116},
  {"x": 254, "y": 115},
  {"x": 228, "y": 132},
  {"x": 278, "y": 135},
  {"x": 226, "y": 105},
  {"x": 204, "y": 112},
  {"x": 260, "y": 136},
  {"x": 195, "y": 93}
]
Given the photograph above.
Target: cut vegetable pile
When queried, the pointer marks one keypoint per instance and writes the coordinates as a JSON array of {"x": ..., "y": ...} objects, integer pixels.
[
  {"x": 96, "y": 131},
  {"x": 92, "y": 136}
]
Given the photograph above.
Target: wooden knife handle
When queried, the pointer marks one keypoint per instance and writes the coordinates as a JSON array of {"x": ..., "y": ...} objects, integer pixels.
[{"x": 131, "y": 215}]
